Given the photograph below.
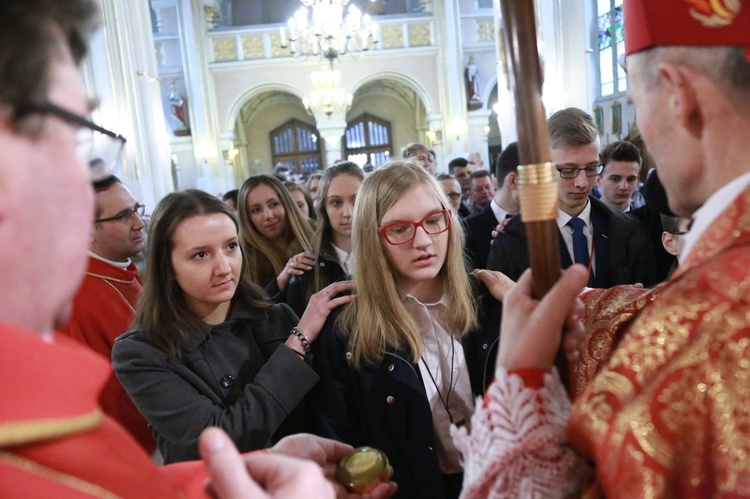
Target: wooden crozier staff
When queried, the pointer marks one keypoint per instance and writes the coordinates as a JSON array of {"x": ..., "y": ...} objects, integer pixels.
[{"x": 537, "y": 186}]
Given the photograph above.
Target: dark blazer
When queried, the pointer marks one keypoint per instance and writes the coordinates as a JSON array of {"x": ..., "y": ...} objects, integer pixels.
[
  {"x": 479, "y": 227},
  {"x": 302, "y": 287},
  {"x": 651, "y": 221},
  {"x": 239, "y": 378},
  {"x": 623, "y": 252},
  {"x": 385, "y": 405}
]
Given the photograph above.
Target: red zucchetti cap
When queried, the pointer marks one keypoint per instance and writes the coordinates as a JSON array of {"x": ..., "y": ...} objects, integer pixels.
[{"x": 652, "y": 23}]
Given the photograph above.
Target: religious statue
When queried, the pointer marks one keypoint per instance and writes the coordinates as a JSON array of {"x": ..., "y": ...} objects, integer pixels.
[
  {"x": 178, "y": 112},
  {"x": 471, "y": 75}
]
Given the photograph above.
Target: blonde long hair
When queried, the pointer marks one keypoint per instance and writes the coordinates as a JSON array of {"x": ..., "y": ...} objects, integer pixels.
[
  {"x": 259, "y": 250},
  {"x": 377, "y": 320}
]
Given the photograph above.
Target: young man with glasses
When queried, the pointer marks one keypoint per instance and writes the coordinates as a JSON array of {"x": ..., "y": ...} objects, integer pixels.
[
  {"x": 612, "y": 245},
  {"x": 104, "y": 306}
]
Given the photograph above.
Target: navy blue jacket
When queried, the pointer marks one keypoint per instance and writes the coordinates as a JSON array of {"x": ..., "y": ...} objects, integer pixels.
[{"x": 385, "y": 405}]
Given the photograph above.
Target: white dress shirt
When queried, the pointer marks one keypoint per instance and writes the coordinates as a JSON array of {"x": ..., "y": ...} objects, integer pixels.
[
  {"x": 445, "y": 376},
  {"x": 567, "y": 232}
]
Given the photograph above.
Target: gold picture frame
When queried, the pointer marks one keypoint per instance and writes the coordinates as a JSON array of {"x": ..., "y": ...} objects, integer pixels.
[
  {"x": 599, "y": 117},
  {"x": 617, "y": 119}
]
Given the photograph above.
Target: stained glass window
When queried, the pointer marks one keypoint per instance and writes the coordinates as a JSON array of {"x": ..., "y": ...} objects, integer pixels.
[
  {"x": 368, "y": 140},
  {"x": 295, "y": 144},
  {"x": 612, "y": 79}
]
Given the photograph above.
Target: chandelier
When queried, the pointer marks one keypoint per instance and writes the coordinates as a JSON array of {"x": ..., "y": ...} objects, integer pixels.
[
  {"x": 323, "y": 30},
  {"x": 327, "y": 96}
]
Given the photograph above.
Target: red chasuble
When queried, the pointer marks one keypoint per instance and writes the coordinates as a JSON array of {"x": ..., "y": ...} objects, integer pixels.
[{"x": 103, "y": 310}]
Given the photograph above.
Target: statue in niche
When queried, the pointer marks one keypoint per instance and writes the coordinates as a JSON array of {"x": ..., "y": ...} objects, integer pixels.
[
  {"x": 178, "y": 112},
  {"x": 471, "y": 75}
]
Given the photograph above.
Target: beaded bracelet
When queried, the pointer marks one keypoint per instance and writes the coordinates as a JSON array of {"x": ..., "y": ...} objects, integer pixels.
[{"x": 302, "y": 338}]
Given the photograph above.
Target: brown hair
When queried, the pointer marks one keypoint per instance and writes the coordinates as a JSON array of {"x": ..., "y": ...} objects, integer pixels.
[
  {"x": 412, "y": 149},
  {"x": 324, "y": 232},
  {"x": 162, "y": 313},
  {"x": 293, "y": 186},
  {"x": 571, "y": 127},
  {"x": 264, "y": 261},
  {"x": 32, "y": 33}
]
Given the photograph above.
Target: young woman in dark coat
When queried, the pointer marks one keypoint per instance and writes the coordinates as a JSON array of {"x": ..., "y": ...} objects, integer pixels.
[
  {"x": 208, "y": 349},
  {"x": 332, "y": 241},
  {"x": 399, "y": 365}
]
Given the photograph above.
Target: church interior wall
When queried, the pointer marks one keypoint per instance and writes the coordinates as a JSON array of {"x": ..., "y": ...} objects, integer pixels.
[{"x": 431, "y": 71}]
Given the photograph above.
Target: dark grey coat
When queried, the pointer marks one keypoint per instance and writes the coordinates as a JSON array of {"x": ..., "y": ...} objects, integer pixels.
[{"x": 180, "y": 398}]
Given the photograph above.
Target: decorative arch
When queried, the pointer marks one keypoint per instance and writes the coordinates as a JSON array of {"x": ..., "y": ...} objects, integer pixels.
[
  {"x": 243, "y": 98},
  {"x": 487, "y": 92},
  {"x": 423, "y": 95}
]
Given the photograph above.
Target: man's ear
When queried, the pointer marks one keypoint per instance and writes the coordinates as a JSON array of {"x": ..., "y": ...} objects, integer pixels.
[
  {"x": 682, "y": 104},
  {"x": 668, "y": 241},
  {"x": 511, "y": 180}
]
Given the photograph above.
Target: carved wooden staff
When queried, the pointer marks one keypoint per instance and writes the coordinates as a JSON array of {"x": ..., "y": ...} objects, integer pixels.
[{"x": 537, "y": 187}]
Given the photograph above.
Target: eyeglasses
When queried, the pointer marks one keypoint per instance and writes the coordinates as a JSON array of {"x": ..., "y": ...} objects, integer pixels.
[
  {"x": 126, "y": 217},
  {"x": 100, "y": 148},
  {"x": 453, "y": 195},
  {"x": 681, "y": 233},
  {"x": 591, "y": 171},
  {"x": 433, "y": 224}
]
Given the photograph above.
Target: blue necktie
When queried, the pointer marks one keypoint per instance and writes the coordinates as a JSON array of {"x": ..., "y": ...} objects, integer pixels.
[{"x": 580, "y": 243}]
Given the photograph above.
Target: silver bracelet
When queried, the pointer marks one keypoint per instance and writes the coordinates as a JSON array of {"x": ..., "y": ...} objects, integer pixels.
[{"x": 302, "y": 338}]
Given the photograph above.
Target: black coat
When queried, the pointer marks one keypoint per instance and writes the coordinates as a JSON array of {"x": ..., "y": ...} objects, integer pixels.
[
  {"x": 623, "y": 251},
  {"x": 479, "y": 227},
  {"x": 651, "y": 221},
  {"x": 302, "y": 287},
  {"x": 180, "y": 398},
  {"x": 385, "y": 405}
]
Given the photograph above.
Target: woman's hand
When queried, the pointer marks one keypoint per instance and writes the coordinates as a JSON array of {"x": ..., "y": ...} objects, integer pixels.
[
  {"x": 321, "y": 304},
  {"x": 531, "y": 329},
  {"x": 297, "y": 265},
  {"x": 316, "y": 313}
]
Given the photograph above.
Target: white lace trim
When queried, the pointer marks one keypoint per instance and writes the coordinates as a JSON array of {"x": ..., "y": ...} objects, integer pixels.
[{"x": 518, "y": 444}]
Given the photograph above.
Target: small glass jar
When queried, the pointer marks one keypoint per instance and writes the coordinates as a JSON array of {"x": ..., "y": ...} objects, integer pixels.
[{"x": 363, "y": 469}]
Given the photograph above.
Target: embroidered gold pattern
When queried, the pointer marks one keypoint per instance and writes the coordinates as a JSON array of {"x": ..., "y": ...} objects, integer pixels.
[
  {"x": 46, "y": 473},
  {"x": 17, "y": 433},
  {"x": 669, "y": 413}
]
